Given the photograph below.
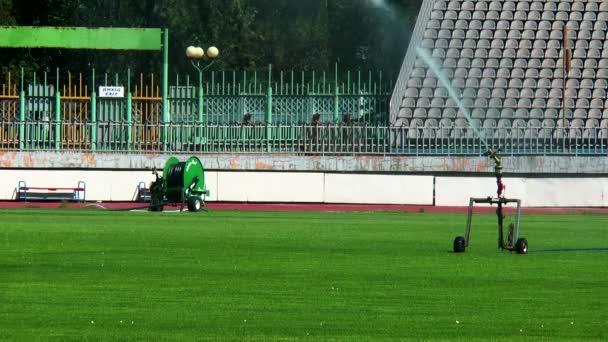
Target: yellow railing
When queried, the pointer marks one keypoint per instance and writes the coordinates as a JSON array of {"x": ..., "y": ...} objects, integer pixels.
[
  {"x": 75, "y": 110},
  {"x": 9, "y": 113},
  {"x": 147, "y": 113}
]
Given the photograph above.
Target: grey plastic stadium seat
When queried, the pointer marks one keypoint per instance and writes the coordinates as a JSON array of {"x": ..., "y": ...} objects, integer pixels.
[
  {"x": 516, "y": 83},
  {"x": 472, "y": 83},
  {"x": 420, "y": 113},
  {"x": 429, "y": 83},
  {"x": 576, "y": 16},
  {"x": 451, "y": 15},
  {"x": 539, "y": 103},
  {"x": 524, "y": 103},
  {"x": 478, "y": 113},
  {"x": 449, "y": 113},
  {"x": 496, "y": 53},
  {"x": 461, "y": 24},
  {"x": 434, "y": 113},
  {"x": 597, "y": 103},
  {"x": 437, "y": 15},
  {"x": 510, "y": 103},
  {"x": 486, "y": 83},
  {"x": 544, "y": 83},
  {"x": 423, "y": 103},
  {"x": 493, "y": 113},
  {"x": 507, "y": 113},
  {"x": 484, "y": 93},
  {"x": 554, "y": 103},
  {"x": 584, "y": 93},
  {"x": 408, "y": 103},
  {"x": 451, "y": 103},
  {"x": 522, "y": 113},
  {"x": 430, "y": 34},
  {"x": 541, "y": 93},
  {"x": 447, "y": 24},
  {"x": 411, "y": 92},
  {"x": 537, "y": 113},
  {"x": 469, "y": 93},
  {"x": 440, "y": 5},
  {"x": 426, "y": 92},
  {"x": 580, "y": 113},
  {"x": 589, "y": 16},
  {"x": 495, "y": 102},
  {"x": 556, "y": 35},
  {"x": 553, "y": 44},
  {"x": 595, "y": 113},
  {"x": 406, "y": 113},
  {"x": 479, "y": 15},
  {"x": 470, "y": 44},
  {"x": 582, "y": 104},
  {"x": 601, "y": 35}
]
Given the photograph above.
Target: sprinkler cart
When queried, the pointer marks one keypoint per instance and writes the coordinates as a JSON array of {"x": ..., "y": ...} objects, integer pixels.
[
  {"x": 521, "y": 244},
  {"x": 182, "y": 183}
]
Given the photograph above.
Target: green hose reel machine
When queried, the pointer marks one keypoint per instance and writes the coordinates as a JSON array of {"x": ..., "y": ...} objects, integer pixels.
[{"x": 182, "y": 183}]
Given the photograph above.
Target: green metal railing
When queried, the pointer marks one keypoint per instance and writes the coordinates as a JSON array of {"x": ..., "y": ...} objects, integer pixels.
[
  {"x": 64, "y": 111},
  {"x": 309, "y": 139}
]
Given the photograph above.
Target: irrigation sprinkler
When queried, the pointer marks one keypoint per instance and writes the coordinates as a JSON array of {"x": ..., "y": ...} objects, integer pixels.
[
  {"x": 512, "y": 242},
  {"x": 182, "y": 183},
  {"x": 461, "y": 243}
]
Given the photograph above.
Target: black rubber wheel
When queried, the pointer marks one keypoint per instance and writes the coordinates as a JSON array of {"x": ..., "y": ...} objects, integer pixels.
[
  {"x": 194, "y": 204},
  {"x": 459, "y": 244},
  {"x": 521, "y": 246}
]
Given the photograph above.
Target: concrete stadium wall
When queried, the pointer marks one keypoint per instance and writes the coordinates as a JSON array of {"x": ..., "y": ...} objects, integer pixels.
[
  {"x": 319, "y": 187},
  {"x": 239, "y": 186}
]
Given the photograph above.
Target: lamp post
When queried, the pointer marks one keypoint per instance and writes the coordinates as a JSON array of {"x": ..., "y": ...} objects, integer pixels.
[{"x": 197, "y": 55}]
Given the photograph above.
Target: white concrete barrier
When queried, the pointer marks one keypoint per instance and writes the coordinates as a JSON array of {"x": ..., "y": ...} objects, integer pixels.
[
  {"x": 378, "y": 189},
  {"x": 100, "y": 185},
  {"x": 270, "y": 187},
  {"x": 307, "y": 187},
  {"x": 534, "y": 192}
]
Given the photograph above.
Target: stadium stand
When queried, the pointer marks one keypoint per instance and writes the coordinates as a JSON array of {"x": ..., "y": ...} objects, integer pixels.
[{"x": 505, "y": 61}]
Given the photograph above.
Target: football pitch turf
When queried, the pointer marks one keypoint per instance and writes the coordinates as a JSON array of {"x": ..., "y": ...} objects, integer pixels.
[{"x": 75, "y": 274}]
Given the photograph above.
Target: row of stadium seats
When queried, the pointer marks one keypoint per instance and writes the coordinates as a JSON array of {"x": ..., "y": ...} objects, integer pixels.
[
  {"x": 574, "y": 6},
  {"x": 507, "y": 113},
  {"x": 510, "y": 102},
  {"x": 523, "y": 5},
  {"x": 516, "y": 93},
  {"x": 501, "y": 128}
]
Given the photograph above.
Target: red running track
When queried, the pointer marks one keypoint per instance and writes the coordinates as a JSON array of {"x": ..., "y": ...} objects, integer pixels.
[{"x": 305, "y": 207}]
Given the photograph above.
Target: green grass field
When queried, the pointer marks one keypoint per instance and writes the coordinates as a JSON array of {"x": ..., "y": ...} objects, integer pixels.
[{"x": 98, "y": 275}]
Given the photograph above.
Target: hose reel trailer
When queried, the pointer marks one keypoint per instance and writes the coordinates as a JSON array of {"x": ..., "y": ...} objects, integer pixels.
[{"x": 182, "y": 183}]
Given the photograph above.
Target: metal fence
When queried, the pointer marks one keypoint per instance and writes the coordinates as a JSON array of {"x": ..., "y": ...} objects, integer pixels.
[{"x": 321, "y": 139}]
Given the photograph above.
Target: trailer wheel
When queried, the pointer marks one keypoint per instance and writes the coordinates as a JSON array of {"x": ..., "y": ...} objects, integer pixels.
[
  {"x": 521, "y": 246},
  {"x": 459, "y": 244},
  {"x": 194, "y": 204}
]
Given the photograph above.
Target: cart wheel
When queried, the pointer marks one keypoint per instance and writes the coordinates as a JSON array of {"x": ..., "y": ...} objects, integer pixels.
[
  {"x": 521, "y": 246},
  {"x": 459, "y": 244},
  {"x": 194, "y": 204}
]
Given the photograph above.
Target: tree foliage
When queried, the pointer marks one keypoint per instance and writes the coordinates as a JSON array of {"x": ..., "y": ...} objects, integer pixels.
[{"x": 298, "y": 35}]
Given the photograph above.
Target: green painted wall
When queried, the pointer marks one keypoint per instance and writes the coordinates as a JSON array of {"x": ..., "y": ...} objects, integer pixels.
[{"x": 81, "y": 38}]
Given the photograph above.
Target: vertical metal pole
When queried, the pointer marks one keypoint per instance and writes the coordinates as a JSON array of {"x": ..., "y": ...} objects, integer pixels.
[
  {"x": 269, "y": 111},
  {"x": 57, "y": 115},
  {"x": 21, "y": 115},
  {"x": 564, "y": 71},
  {"x": 93, "y": 116},
  {"x": 336, "y": 97},
  {"x": 165, "y": 86},
  {"x": 129, "y": 111},
  {"x": 200, "y": 134}
]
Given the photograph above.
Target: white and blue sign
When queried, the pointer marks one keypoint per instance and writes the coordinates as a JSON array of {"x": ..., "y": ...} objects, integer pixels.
[{"x": 110, "y": 91}]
